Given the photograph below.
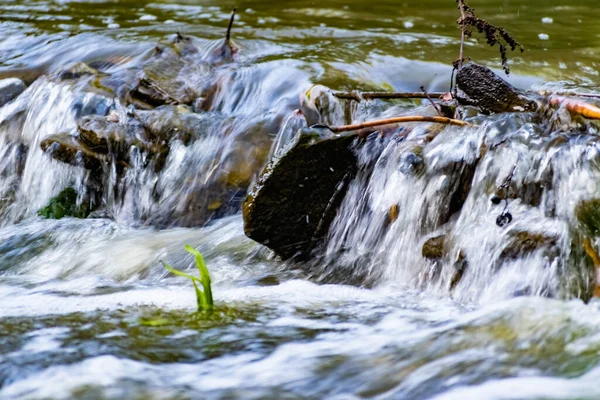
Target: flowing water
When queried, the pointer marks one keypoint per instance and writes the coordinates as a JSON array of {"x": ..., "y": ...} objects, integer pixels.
[{"x": 88, "y": 311}]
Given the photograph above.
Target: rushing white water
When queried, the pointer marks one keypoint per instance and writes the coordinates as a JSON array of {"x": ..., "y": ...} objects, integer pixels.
[
  {"x": 423, "y": 181},
  {"x": 88, "y": 311}
]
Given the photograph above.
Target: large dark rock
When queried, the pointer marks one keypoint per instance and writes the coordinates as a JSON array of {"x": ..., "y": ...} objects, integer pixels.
[
  {"x": 295, "y": 200},
  {"x": 489, "y": 92}
]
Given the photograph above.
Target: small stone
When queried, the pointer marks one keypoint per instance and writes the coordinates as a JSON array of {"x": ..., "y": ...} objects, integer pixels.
[
  {"x": 543, "y": 36},
  {"x": 434, "y": 248},
  {"x": 547, "y": 20}
]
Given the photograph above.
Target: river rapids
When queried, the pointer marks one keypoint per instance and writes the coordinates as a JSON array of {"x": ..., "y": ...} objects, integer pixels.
[{"x": 417, "y": 293}]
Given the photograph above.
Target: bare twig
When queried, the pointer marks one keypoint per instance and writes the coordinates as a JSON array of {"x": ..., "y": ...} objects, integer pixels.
[
  {"x": 578, "y": 107},
  {"x": 437, "y": 108},
  {"x": 358, "y": 96},
  {"x": 461, "y": 7},
  {"x": 228, "y": 35},
  {"x": 397, "y": 120}
]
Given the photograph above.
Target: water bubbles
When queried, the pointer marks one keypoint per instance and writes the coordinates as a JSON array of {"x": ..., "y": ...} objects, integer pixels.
[{"x": 148, "y": 17}]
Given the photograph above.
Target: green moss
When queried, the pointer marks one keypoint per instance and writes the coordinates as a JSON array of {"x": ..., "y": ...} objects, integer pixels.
[
  {"x": 588, "y": 214},
  {"x": 65, "y": 205}
]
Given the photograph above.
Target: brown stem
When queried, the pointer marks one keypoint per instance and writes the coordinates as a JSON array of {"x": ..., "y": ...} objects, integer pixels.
[
  {"x": 437, "y": 108},
  {"x": 228, "y": 35},
  {"x": 358, "y": 96},
  {"x": 461, "y": 7},
  {"x": 578, "y": 107},
  {"x": 397, "y": 120}
]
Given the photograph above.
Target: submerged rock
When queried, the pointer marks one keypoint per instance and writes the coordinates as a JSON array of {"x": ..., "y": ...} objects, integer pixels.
[
  {"x": 294, "y": 201},
  {"x": 9, "y": 89},
  {"x": 65, "y": 205},
  {"x": 523, "y": 243}
]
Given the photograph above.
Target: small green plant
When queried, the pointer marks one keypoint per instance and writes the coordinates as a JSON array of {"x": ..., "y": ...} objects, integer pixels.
[{"x": 203, "y": 297}]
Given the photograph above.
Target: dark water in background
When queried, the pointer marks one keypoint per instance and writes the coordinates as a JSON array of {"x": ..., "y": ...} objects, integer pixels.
[{"x": 87, "y": 311}]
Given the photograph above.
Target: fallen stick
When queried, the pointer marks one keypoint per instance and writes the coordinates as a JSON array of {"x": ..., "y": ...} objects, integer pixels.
[
  {"x": 358, "y": 96},
  {"x": 396, "y": 120},
  {"x": 578, "y": 107},
  {"x": 231, "y": 19}
]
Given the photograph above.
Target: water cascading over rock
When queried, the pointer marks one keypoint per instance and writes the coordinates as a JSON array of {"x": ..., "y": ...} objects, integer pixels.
[
  {"x": 423, "y": 207},
  {"x": 170, "y": 136}
]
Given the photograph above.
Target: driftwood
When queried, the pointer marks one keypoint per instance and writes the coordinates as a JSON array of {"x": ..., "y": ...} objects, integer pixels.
[
  {"x": 397, "y": 120},
  {"x": 358, "y": 96}
]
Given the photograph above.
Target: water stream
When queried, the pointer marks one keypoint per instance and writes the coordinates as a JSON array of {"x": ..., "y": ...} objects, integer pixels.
[{"x": 87, "y": 310}]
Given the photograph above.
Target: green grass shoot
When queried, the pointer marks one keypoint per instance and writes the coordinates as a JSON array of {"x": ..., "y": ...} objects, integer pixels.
[{"x": 204, "y": 297}]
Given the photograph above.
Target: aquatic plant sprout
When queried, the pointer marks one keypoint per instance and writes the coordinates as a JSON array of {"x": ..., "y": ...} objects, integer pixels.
[{"x": 204, "y": 297}]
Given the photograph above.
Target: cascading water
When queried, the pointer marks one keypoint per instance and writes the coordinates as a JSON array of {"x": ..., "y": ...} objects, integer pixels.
[
  {"x": 414, "y": 196},
  {"x": 431, "y": 298}
]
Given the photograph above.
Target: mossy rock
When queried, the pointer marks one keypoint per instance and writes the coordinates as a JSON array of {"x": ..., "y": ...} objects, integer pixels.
[
  {"x": 587, "y": 213},
  {"x": 434, "y": 248},
  {"x": 65, "y": 205},
  {"x": 523, "y": 243}
]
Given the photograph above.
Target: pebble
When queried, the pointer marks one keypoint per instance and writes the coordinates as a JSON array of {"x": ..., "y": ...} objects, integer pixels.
[
  {"x": 547, "y": 20},
  {"x": 543, "y": 36},
  {"x": 408, "y": 24}
]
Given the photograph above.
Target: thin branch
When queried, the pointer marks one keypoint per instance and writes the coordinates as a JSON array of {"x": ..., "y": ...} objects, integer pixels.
[
  {"x": 358, "y": 96},
  {"x": 396, "y": 120},
  {"x": 461, "y": 7},
  {"x": 578, "y": 107},
  {"x": 437, "y": 108},
  {"x": 228, "y": 35}
]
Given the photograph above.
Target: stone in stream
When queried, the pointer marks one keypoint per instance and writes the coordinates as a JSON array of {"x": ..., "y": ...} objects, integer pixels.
[
  {"x": 10, "y": 88},
  {"x": 294, "y": 201},
  {"x": 523, "y": 243},
  {"x": 434, "y": 248},
  {"x": 587, "y": 213},
  {"x": 69, "y": 150},
  {"x": 490, "y": 93}
]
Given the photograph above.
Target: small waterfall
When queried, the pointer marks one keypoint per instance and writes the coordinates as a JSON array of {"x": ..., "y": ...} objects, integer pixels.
[
  {"x": 419, "y": 211},
  {"x": 32, "y": 178},
  {"x": 224, "y": 143}
]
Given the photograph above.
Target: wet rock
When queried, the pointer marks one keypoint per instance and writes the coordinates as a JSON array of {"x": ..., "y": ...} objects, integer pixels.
[
  {"x": 294, "y": 201},
  {"x": 68, "y": 149},
  {"x": 459, "y": 268},
  {"x": 523, "y": 243},
  {"x": 9, "y": 89},
  {"x": 587, "y": 213},
  {"x": 65, "y": 205},
  {"x": 490, "y": 93},
  {"x": 434, "y": 248},
  {"x": 168, "y": 123},
  {"x": 76, "y": 71},
  {"x": 166, "y": 78}
]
